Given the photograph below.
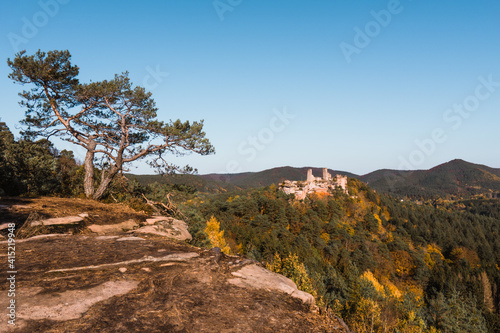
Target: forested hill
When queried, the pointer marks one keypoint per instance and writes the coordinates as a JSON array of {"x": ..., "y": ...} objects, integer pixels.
[
  {"x": 381, "y": 264},
  {"x": 186, "y": 182},
  {"x": 219, "y": 183},
  {"x": 271, "y": 176},
  {"x": 454, "y": 179}
]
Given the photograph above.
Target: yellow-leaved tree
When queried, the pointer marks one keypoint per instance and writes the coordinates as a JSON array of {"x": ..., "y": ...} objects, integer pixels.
[
  {"x": 216, "y": 236},
  {"x": 366, "y": 319},
  {"x": 294, "y": 270}
]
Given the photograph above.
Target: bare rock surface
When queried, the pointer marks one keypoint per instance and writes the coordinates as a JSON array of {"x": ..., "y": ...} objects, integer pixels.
[
  {"x": 4, "y": 226},
  {"x": 90, "y": 283},
  {"x": 36, "y": 238},
  {"x": 68, "y": 220},
  {"x": 110, "y": 228},
  {"x": 69, "y": 304},
  {"x": 129, "y": 238},
  {"x": 155, "y": 219},
  {"x": 166, "y": 227},
  {"x": 111, "y": 278},
  {"x": 106, "y": 237},
  {"x": 257, "y": 277}
]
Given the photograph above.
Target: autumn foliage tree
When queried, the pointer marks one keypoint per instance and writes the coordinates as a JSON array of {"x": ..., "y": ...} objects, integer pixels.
[
  {"x": 292, "y": 268},
  {"x": 114, "y": 121},
  {"x": 216, "y": 236}
]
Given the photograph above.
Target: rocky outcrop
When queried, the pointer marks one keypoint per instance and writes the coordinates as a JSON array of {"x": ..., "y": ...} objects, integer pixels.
[
  {"x": 69, "y": 304},
  {"x": 110, "y": 278},
  {"x": 257, "y": 277},
  {"x": 166, "y": 227},
  {"x": 67, "y": 220},
  {"x": 117, "y": 227},
  {"x": 96, "y": 283},
  {"x": 163, "y": 226},
  {"x": 4, "y": 226}
]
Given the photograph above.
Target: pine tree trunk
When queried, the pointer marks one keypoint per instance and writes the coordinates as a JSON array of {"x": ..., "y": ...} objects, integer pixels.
[
  {"x": 103, "y": 186},
  {"x": 88, "y": 182}
]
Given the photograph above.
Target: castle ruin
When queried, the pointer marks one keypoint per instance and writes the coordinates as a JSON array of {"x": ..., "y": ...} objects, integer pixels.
[{"x": 314, "y": 184}]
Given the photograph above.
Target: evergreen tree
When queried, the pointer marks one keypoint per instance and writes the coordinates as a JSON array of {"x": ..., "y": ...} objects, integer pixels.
[{"x": 114, "y": 121}]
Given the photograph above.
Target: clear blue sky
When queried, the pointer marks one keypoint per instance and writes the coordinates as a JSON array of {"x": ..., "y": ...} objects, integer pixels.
[{"x": 363, "y": 80}]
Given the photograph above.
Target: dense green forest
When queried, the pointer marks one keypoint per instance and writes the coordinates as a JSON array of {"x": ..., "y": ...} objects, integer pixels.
[
  {"x": 36, "y": 167},
  {"x": 382, "y": 264}
]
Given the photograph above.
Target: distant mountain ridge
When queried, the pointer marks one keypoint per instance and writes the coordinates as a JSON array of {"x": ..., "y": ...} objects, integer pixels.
[
  {"x": 271, "y": 176},
  {"x": 454, "y": 178}
]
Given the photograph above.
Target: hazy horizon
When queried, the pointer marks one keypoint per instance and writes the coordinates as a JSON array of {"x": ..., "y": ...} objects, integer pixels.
[{"x": 320, "y": 167}]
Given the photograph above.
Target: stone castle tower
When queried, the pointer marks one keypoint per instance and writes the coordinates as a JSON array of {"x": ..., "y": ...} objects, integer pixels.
[
  {"x": 310, "y": 176},
  {"x": 326, "y": 174}
]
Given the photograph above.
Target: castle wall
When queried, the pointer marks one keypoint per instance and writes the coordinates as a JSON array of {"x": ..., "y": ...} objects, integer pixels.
[{"x": 314, "y": 184}]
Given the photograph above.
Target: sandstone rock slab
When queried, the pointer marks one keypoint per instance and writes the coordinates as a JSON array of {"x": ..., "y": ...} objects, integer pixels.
[
  {"x": 67, "y": 220},
  {"x": 257, "y": 277},
  {"x": 126, "y": 239},
  {"x": 67, "y": 305},
  {"x": 37, "y": 237},
  {"x": 4, "y": 226},
  {"x": 167, "y": 227},
  {"x": 182, "y": 256},
  {"x": 109, "y": 228},
  {"x": 106, "y": 237},
  {"x": 155, "y": 219}
]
